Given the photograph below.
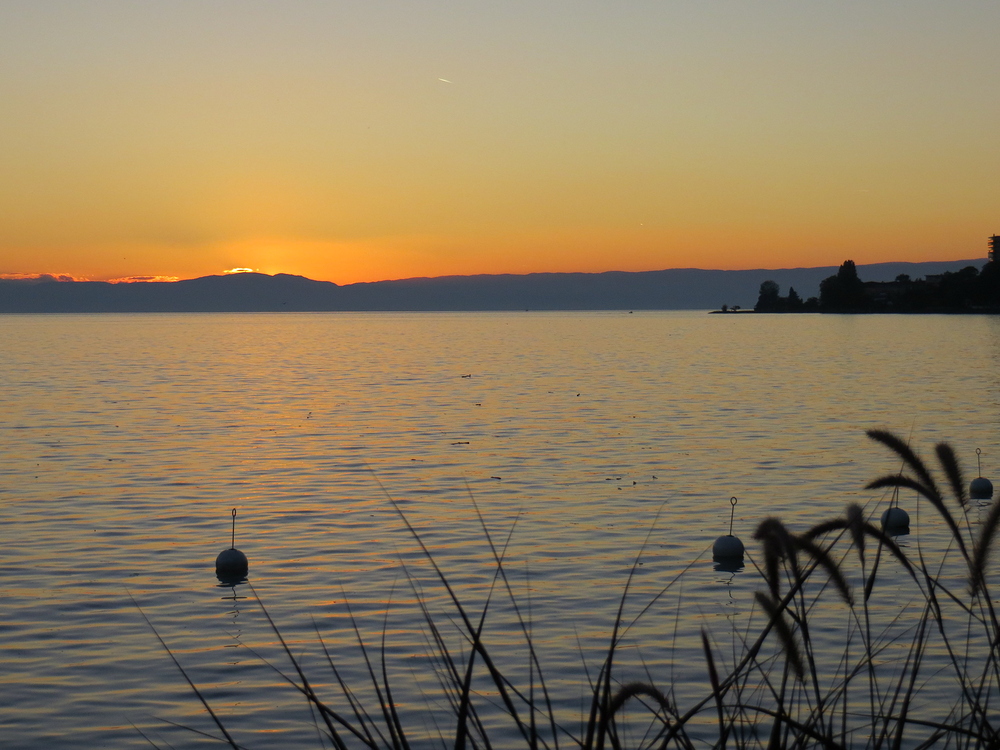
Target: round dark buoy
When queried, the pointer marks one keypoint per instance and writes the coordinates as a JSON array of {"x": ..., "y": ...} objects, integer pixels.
[
  {"x": 895, "y": 520},
  {"x": 980, "y": 488},
  {"x": 231, "y": 562},
  {"x": 231, "y": 565},
  {"x": 728, "y": 548}
]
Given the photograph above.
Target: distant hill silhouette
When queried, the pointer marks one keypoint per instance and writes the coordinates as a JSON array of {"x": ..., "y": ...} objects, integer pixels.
[{"x": 674, "y": 289}]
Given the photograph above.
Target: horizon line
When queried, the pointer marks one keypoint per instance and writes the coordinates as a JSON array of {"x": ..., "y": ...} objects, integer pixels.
[{"x": 48, "y": 277}]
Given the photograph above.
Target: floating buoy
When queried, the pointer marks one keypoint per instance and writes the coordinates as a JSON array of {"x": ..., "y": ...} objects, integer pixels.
[
  {"x": 231, "y": 562},
  {"x": 231, "y": 565},
  {"x": 895, "y": 521},
  {"x": 980, "y": 488},
  {"x": 729, "y": 548}
]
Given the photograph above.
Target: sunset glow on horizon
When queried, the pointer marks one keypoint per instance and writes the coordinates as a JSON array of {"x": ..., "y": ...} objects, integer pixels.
[{"x": 362, "y": 142}]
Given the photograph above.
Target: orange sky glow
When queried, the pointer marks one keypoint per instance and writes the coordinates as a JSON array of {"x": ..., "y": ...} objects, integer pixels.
[{"x": 359, "y": 142}]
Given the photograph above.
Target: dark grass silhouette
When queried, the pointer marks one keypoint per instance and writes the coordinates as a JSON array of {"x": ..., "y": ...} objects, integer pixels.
[{"x": 782, "y": 689}]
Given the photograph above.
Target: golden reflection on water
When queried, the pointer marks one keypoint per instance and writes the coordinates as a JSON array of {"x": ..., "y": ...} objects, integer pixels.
[{"x": 127, "y": 439}]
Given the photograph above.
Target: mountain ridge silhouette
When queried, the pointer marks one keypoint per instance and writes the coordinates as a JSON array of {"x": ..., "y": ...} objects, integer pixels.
[{"x": 669, "y": 289}]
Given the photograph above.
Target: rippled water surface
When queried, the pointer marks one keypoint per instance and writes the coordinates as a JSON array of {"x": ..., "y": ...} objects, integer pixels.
[{"x": 127, "y": 439}]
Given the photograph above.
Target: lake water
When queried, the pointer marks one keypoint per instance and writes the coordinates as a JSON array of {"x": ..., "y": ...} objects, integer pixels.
[{"x": 127, "y": 440}]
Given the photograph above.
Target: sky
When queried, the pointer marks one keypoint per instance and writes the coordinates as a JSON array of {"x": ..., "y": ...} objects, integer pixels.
[{"x": 360, "y": 141}]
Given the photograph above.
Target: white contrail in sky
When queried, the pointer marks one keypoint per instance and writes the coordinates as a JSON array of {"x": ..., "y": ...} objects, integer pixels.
[{"x": 445, "y": 80}]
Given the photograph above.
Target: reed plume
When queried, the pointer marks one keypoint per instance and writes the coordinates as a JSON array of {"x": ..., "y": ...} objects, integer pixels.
[{"x": 802, "y": 694}]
